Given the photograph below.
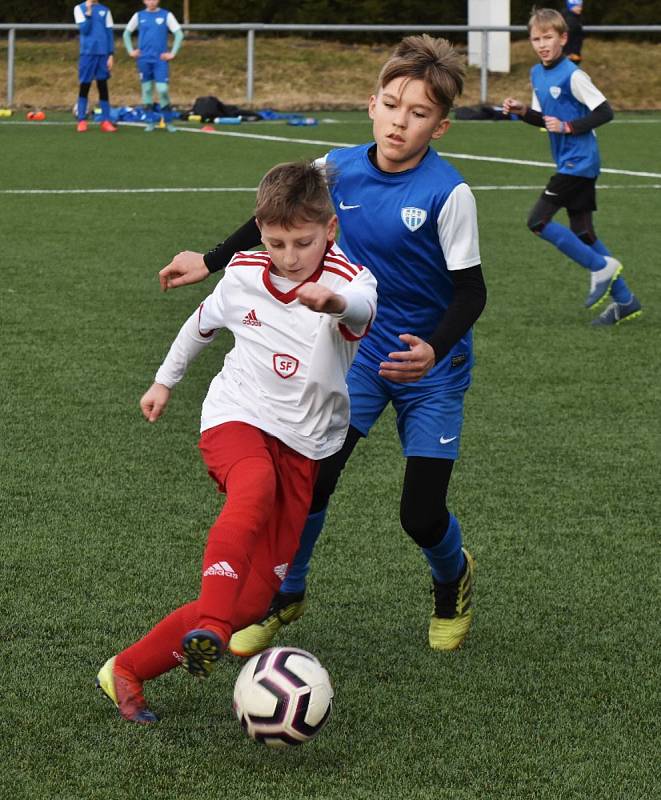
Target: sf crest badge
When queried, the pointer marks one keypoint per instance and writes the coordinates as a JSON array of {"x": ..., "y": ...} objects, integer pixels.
[
  {"x": 285, "y": 365},
  {"x": 413, "y": 217}
]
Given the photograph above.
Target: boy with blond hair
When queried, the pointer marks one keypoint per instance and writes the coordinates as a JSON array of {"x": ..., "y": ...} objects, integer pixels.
[
  {"x": 411, "y": 217},
  {"x": 153, "y": 56},
  {"x": 298, "y": 311},
  {"x": 570, "y": 107}
]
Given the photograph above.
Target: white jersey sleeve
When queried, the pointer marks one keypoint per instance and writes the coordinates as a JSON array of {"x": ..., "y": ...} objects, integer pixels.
[
  {"x": 78, "y": 15},
  {"x": 585, "y": 91},
  {"x": 195, "y": 334},
  {"x": 360, "y": 296},
  {"x": 171, "y": 22},
  {"x": 457, "y": 229},
  {"x": 534, "y": 103},
  {"x": 132, "y": 24},
  {"x": 109, "y": 22}
]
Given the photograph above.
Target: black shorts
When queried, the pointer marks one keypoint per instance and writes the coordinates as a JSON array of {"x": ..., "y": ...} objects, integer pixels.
[{"x": 572, "y": 192}]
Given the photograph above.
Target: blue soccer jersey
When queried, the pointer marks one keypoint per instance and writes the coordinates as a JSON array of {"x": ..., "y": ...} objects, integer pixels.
[
  {"x": 566, "y": 92},
  {"x": 96, "y": 37},
  {"x": 410, "y": 228},
  {"x": 153, "y": 28}
]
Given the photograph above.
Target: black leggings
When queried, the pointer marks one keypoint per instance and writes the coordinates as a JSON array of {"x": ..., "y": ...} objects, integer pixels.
[
  {"x": 422, "y": 512},
  {"x": 101, "y": 85},
  {"x": 579, "y": 221}
]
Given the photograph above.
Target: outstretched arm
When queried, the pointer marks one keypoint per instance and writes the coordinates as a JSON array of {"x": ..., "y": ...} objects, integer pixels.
[{"x": 191, "y": 267}]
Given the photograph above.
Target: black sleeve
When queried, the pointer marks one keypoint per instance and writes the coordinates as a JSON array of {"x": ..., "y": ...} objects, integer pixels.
[
  {"x": 470, "y": 297},
  {"x": 598, "y": 116},
  {"x": 244, "y": 238},
  {"x": 533, "y": 117}
]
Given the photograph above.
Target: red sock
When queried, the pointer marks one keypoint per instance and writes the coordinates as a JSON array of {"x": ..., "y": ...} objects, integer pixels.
[{"x": 160, "y": 650}]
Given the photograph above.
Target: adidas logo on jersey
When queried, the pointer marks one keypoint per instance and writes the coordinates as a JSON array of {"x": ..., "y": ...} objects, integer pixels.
[
  {"x": 281, "y": 571},
  {"x": 222, "y": 569},
  {"x": 251, "y": 319}
]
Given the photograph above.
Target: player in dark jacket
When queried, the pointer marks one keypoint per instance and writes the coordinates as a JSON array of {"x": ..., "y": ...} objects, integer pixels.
[{"x": 575, "y": 35}]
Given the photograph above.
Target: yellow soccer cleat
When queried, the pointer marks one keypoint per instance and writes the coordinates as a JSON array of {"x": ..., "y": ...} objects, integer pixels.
[
  {"x": 284, "y": 608},
  {"x": 453, "y": 612},
  {"x": 125, "y": 691}
]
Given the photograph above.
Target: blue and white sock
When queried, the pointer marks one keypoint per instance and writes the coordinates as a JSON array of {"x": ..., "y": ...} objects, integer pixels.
[
  {"x": 620, "y": 291},
  {"x": 294, "y": 582},
  {"x": 446, "y": 558},
  {"x": 569, "y": 243}
]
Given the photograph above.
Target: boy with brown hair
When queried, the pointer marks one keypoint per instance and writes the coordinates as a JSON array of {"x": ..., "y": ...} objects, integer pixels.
[
  {"x": 298, "y": 311},
  {"x": 411, "y": 217},
  {"x": 570, "y": 107}
]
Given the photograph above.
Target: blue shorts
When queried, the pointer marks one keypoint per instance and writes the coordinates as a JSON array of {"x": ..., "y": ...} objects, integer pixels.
[
  {"x": 153, "y": 70},
  {"x": 429, "y": 419},
  {"x": 93, "y": 68}
]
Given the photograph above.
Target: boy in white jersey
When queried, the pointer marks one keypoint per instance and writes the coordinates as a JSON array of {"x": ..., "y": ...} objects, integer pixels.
[
  {"x": 570, "y": 107},
  {"x": 153, "y": 57},
  {"x": 298, "y": 311},
  {"x": 411, "y": 217}
]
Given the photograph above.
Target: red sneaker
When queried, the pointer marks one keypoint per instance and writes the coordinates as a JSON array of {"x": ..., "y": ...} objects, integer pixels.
[
  {"x": 125, "y": 690},
  {"x": 107, "y": 126},
  {"x": 82, "y": 126}
]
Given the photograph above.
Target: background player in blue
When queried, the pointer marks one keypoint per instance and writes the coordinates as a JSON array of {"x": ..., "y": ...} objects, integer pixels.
[
  {"x": 570, "y": 107},
  {"x": 95, "y": 61},
  {"x": 411, "y": 218},
  {"x": 572, "y": 16},
  {"x": 153, "y": 57}
]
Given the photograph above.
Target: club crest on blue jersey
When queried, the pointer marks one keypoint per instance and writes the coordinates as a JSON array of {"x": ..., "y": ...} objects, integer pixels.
[
  {"x": 555, "y": 92},
  {"x": 159, "y": 20},
  {"x": 413, "y": 217}
]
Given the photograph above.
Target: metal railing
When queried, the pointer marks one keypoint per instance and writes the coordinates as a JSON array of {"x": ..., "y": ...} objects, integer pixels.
[{"x": 250, "y": 28}]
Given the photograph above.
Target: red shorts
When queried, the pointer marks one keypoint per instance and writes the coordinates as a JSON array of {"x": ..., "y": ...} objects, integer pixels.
[{"x": 269, "y": 490}]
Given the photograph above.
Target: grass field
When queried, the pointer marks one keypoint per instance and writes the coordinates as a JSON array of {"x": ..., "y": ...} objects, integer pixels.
[{"x": 556, "y": 692}]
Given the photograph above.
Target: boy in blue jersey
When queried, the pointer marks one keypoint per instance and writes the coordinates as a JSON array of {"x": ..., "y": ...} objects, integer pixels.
[
  {"x": 570, "y": 107},
  {"x": 153, "y": 57},
  {"x": 95, "y": 61},
  {"x": 411, "y": 218}
]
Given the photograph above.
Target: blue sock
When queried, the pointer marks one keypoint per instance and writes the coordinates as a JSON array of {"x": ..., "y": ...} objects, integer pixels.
[
  {"x": 445, "y": 558},
  {"x": 82, "y": 108},
  {"x": 619, "y": 290},
  {"x": 105, "y": 109},
  {"x": 568, "y": 243},
  {"x": 298, "y": 571}
]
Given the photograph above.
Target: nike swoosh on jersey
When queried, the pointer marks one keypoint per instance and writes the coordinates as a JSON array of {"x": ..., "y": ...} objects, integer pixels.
[
  {"x": 345, "y": 207},
  {"x": 443, "y": 440}
]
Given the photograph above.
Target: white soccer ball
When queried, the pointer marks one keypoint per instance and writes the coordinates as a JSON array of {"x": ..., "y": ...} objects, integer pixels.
[{"x": 283, "y": 697}]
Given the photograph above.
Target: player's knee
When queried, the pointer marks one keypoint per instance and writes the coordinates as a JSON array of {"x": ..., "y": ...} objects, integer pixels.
[
  {"x": 323, "y": 491},
  {"x": 536, "y": 224},
  {"x": 423, "y": 526}
]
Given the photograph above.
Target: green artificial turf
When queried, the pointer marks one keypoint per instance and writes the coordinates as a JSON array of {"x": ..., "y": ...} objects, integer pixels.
[{"x": 556, "y": 691}]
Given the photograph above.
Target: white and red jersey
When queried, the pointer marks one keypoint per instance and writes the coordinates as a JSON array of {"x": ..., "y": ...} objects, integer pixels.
[{"x": 287, "y": 371}]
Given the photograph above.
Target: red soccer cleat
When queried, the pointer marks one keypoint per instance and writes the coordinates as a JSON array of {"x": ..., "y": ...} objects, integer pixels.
[
  {"x": 82, "y": 126},
  {"x": 125, "y": 691},
  {"x": 107, "y": 127}
]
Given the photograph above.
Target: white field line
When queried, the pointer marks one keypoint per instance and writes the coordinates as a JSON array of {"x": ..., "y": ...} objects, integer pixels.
[
  {"x": 463, "y": 156},
  {"x": 324, "y": 143},
  {"x": 253, "y": 189}
]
